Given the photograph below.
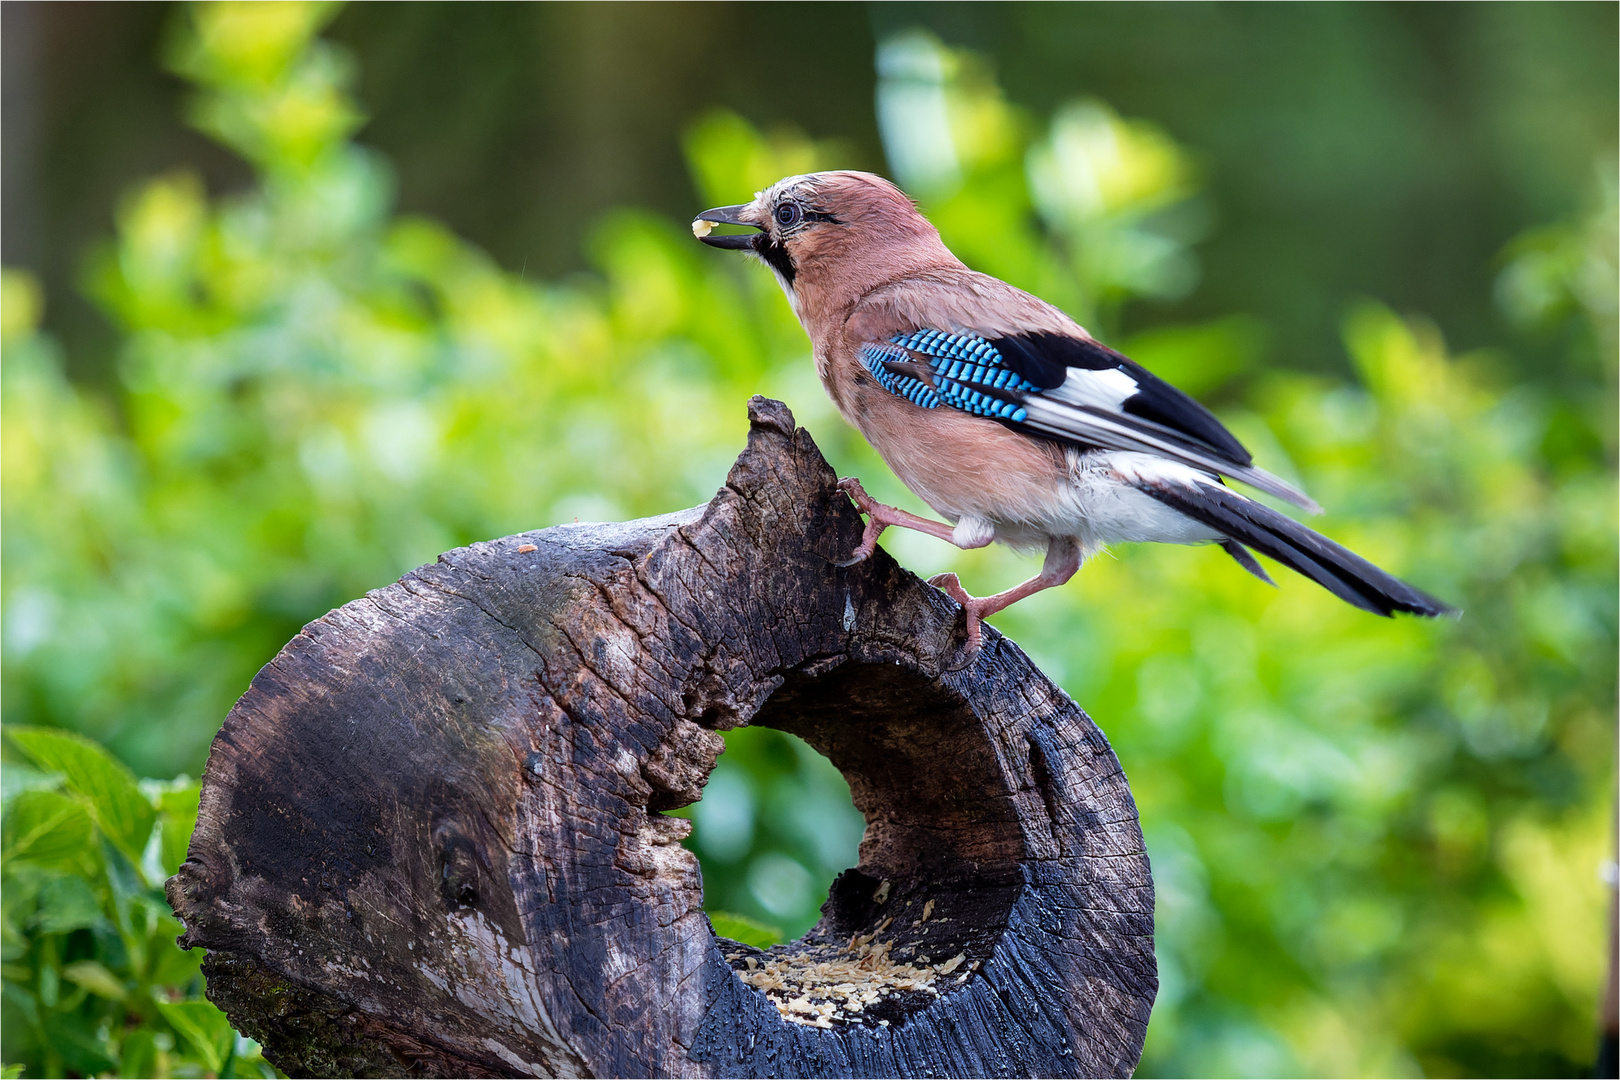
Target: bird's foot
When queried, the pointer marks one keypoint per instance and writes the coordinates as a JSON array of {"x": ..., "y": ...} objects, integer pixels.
[
  {"x": 974, "y": 607},
  {"x": 1062, "y": 560},
  {"x": 876, "y": 519},
  {"x": 880, "y": 516}
]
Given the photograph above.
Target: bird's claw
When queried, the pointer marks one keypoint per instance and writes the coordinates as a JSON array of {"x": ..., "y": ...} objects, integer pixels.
[
  {"x": 951, "y": 586},
  {"x": 876, "y": 521}
]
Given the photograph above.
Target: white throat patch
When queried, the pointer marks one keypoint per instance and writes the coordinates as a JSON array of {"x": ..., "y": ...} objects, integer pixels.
[{"x": 787, "y": 288}]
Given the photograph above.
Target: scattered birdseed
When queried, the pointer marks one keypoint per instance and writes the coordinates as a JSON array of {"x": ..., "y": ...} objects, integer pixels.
[{"x": 823, "y": 986}]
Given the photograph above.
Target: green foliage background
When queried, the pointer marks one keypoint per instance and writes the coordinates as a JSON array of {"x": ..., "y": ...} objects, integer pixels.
[{"x": 1376, "y": 844}]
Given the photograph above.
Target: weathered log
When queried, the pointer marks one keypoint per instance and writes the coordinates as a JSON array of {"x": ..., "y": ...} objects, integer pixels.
[{"x": 432, "y": 838}]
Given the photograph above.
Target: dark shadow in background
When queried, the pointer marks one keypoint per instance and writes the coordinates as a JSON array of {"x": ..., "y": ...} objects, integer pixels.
[{"x": 1383, "y": 150}]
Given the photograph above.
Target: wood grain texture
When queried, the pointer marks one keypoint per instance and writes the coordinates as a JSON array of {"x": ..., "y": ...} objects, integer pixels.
[{"x": 432, "y": 838}]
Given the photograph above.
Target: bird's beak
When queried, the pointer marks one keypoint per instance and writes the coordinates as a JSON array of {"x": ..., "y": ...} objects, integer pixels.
[{"x": 704, "y": 223}]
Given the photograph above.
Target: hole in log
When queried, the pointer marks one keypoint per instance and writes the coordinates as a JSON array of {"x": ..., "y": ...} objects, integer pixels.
[
  {"x": 776, "y": 824},
  {"x": 938, "y": 870}
]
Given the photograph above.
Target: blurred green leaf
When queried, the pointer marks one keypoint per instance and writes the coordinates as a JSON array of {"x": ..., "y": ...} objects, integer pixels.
[
  {"x": 1203, "y": 357},
  {"x": 66, "y": 904},
  {"x": 177, "y": 808},
  {"x": 74, "y": 1038},
  {"x": 94, "y": 977},
  {"x": 729, "y": 160},
  {"x": 204, "y": 1027},
  {"x": 138, "y": 1055},
  {"x": 123, "y": 813},
  {"x": 176, "y": 966},
  {"x": 16, "y": 778},
  {"x": 742, "y": 929},
  {"x": 45, "y": 828}
]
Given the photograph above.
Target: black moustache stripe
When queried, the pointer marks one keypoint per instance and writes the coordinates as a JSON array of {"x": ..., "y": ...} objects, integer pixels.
[{"x": 777, "y": 255}]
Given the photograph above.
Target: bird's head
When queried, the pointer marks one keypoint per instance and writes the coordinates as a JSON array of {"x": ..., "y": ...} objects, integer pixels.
[{"x": 830, "y": 235}]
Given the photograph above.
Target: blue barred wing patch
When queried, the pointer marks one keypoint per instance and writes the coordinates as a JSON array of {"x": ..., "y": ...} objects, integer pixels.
[
  {"x": 968, "y": 373},
  {"x": 916, "y": 391}
]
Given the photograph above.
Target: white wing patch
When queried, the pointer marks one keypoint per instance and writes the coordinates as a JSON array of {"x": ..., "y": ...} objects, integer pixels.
[{"x": 1105, "y": 389}]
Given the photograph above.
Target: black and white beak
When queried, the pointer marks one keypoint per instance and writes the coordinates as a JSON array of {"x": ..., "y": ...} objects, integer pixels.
[{"x": 703, "y": 228}]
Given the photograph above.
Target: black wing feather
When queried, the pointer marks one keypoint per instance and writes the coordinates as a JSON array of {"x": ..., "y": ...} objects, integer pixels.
[
  {"x": 1044, "y": 359},
  {"x": 1246, "y": 560}
]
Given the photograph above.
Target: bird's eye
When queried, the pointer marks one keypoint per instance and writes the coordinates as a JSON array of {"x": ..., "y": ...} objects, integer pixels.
[{"x": 789, "y": 215}]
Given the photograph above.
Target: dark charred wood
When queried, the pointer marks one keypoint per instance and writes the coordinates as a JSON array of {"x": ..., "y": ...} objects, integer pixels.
[{"x": 433, "y": 838}]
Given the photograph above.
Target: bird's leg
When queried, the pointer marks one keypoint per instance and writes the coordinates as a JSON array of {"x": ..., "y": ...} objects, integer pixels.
[
  {"x": 880, "y": 516},
  {"x": 1062, "y": 560}
]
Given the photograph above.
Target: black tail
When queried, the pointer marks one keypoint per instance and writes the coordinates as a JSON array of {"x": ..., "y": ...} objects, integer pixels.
[{"x": 1337, "y": 569}]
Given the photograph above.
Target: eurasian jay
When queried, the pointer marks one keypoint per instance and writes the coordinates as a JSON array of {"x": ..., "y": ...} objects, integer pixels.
[{"x": 1003, "y": 414}]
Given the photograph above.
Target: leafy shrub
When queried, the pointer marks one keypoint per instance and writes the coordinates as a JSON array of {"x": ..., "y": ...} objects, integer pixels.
[{"x": 94, "y": 983}]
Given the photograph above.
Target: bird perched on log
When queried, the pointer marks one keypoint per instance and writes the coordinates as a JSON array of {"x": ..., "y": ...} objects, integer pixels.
[{"x": 1005, "y": 415}]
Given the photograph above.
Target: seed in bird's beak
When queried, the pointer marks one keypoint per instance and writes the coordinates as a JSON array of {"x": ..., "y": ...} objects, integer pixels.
[{"x": 701, "y": 228}]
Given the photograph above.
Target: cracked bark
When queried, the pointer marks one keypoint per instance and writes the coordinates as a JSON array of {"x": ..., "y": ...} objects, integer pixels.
[{"x": 432, "y": 838}]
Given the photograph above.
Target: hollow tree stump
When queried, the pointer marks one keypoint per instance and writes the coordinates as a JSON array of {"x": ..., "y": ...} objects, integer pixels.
[{"x": 432, "y": 839}]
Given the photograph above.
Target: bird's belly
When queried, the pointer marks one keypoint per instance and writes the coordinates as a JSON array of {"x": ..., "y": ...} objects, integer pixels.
[
  {"x": 1029, "y": 490},
  {"x": 966, "y": 467}
]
